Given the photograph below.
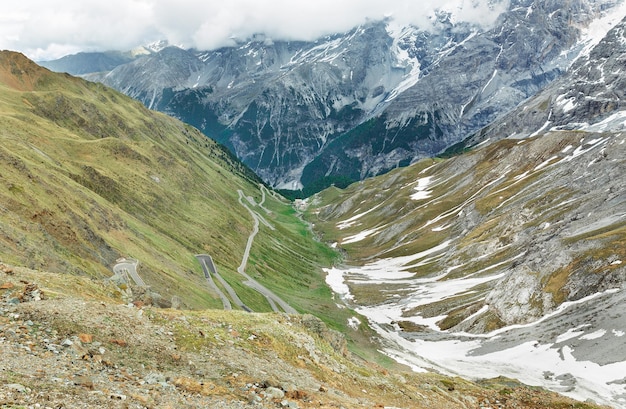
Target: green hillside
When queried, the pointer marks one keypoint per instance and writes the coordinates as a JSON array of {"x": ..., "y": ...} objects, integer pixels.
[{"x": 88, "y": 176}]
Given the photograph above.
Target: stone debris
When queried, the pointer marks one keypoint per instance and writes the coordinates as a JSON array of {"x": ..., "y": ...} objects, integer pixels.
[
  {"x": 16, "y": 387},
  {"x": 72, "y": 353},
  {"x": 6, "y": 269},
  {"x": 31, "y": 293},
  {"x": 85, "y": 338}
]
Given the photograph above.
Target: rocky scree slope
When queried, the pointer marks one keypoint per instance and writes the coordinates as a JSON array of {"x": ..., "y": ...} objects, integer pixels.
[
  {"x": 541, "y": 221},
  {"x": 360, "y": 103},
  {"x": 69, "y": 342}
]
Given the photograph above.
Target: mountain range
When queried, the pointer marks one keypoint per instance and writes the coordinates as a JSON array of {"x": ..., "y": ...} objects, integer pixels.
[
  {"x": 304, "y": 115},
  {"x": 103, "y": 205},
  {"x": 509, "y": 258},
  {"x": 496, "y": 252}
]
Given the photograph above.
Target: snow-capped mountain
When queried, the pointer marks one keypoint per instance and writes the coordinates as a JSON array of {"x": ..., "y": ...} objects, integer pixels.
[
  {"x": 507, "y": 260},
  {"x": 360, "y": 103},
  {"x": 591, "y": 93}
]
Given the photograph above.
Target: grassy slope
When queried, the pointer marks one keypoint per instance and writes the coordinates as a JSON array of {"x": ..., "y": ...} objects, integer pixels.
[
  {"x": 88, "y": 175},
  {"x": 92, "y": 176}
]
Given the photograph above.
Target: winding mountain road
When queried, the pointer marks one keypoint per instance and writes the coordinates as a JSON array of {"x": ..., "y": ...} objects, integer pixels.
[
  {"x": 128, "y": 267},
  {"x": 210, "y": 271},
  {"x": 207, "y": 268},
  {"x": 272, "y": 298},
  {"x": 262, "y": 202}
]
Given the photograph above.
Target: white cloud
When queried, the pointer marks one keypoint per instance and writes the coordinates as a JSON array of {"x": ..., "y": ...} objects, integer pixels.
[{"x": 51, "y": 28}]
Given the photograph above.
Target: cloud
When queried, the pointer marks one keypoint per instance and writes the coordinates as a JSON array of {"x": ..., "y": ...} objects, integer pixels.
[{"x": 45, "y": 29}]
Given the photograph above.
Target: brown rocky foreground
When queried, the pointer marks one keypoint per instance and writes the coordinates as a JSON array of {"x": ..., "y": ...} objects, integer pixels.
[{"x": 70, "y": 342}]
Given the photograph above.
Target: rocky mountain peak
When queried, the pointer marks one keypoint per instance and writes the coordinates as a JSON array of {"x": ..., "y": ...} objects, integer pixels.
[
  {"x": 20, "y": 73},
  {"x": 359, "y": 103},
  {"x": 591, "y": 91}
]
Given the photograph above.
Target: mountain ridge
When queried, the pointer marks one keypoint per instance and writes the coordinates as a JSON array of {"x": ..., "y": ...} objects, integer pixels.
[
  {"x": 90, "y": 177},
  {"x": 300, "y": 114}
]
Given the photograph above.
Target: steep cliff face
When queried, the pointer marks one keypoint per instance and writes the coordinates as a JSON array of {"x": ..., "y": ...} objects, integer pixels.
[
  {"x": 592, "y": 92},
  {"x": 360, "y": 103},
  {"x": 478, "y": 76},
  {"x": 171, "y": 66}
]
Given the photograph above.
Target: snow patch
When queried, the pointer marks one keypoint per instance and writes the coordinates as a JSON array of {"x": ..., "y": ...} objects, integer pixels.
[
  {"x": 569, "y": 105},
  {"x": 383, "y": 270},
  {"x": 400, "y": 34},
  {"x": 615, "y": 122},
  {"x": 544, "y": 163},
  {"x": 543, "y": 127},
  {"x": 336, "y": 282},
  {"x": 570, "y": 334},
  {"x": 440, "y": 228},
  {"x": 594, "y": 335},
  {"x": 420, "y": 190},
  {"x": 598, "y": 29},
  {"x": 354, "y": 323},
  {"x": 458, "y": 210},
  {"x": 584, "y": 148},
  {"x": 440, "y": 290},
  {"x": 490, "y": 79},
  {"x": 478, "y": 313},
  {"x": 527, "y": 361},
  {"x": 360, "y": 236},
  {"x": 349, "y": 222},
  {"x": 521, "y": 176}
]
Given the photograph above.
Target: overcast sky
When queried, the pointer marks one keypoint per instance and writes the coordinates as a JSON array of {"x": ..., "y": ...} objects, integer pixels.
[{"x": 47, "y": 29}]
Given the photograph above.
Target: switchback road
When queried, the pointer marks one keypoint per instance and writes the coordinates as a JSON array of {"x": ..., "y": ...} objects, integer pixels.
[
  {"x": 128, "y": 267},
  {"x": 272, "y": 298},
  {"x": 207, "y": 268}
]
